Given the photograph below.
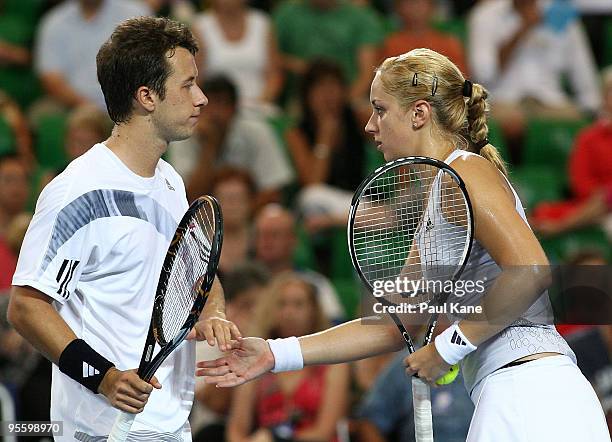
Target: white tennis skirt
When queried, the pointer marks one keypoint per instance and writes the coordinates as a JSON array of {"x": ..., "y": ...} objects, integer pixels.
[{"x": 548, "y": 399}]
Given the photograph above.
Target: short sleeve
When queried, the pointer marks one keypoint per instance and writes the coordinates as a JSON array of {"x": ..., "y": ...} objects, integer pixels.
[{"x": 57, "y": 245}]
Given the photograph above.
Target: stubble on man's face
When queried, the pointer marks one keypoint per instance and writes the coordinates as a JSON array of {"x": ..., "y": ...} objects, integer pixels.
[{"x": 177, "y": 114}]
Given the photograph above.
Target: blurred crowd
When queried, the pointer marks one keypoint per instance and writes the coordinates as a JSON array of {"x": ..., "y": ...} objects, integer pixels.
[{"x": 282, "y": 146}]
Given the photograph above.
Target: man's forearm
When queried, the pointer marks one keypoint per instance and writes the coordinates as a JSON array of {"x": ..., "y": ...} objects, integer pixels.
[
  {"x": 32, "y": 315},
  {"x": 215, "y": 305}
]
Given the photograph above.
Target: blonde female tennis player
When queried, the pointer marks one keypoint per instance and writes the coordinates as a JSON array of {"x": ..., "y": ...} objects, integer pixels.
[{"x": 520, "y": 373}]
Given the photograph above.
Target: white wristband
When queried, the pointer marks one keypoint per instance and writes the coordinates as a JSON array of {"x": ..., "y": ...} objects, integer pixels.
[
  {"x": 452, "y": 345},
  {"x": 287, "y": 354}
]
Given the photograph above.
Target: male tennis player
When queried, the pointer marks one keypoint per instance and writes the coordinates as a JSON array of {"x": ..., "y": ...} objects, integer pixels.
[{"x": 90, "y": 262}]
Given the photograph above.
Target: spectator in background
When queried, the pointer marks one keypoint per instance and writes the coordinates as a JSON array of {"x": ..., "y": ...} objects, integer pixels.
[
  {"x": 417, "y": 32},
  {"x": 66, "y": 46},
  {"x": 86, "y": 126},
  {"x": 590, "y": 171},
  {"x": 335, "y": 29},
  {"x": 593, "y": 345},
  {"x": 18, "y": 20},
  {"x": 13, "y": 189},
  {"x": 10, "y": 243},
  {"x": 239, "y": 42},
  {"x": 328, "y": 137},
  {"x": 521, "y": 50},
  {"x": 386, "y": 413},
  {"x": 275, "y": 246},
  {"x": 227, "y": 137},
  {"x": 24, "y": 370},
  {"x": 300, "y": 406},
  {"x": 12, "y": 54},
  {"x": 12, "y": 115},
  {"x": 243, "y": 286},
  {"x": 234, "y": 189}
]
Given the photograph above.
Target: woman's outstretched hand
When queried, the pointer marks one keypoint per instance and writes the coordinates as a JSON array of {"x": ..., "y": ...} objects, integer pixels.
[{"x": 248, "y": 359}]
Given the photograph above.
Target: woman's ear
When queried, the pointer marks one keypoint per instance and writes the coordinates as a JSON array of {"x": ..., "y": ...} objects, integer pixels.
[{"x": 420, "y": 114}]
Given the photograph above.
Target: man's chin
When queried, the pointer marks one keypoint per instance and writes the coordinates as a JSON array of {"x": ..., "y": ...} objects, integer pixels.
[{"x": 184, "y": 135}]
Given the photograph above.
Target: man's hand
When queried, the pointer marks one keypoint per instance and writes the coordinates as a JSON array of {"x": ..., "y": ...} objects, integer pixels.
[
  {"x": 249, "y": 359},
  {"x": 126, "y": 391},
  {"x": 215, "y": 328}
]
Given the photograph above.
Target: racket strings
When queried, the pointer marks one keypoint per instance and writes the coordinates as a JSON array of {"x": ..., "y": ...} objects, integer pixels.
[
  {"x": 411, "y": 222},
  {"x": 189, "y": 268}
]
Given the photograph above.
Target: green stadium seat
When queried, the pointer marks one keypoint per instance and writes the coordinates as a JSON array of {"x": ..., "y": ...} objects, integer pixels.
[
  {"x": 607, "y": 56},
  {"x": 341, "y": 265},
  {"x": 497, "y": 139},
  {"x": 50, "y": 141},
  {"x": 373, "y": 159},
  {"x": 536, "y": 184},
  {"x": 549, "y": 141},
  {"x": 20, "y": 83},
  {"x": 560, "y": 249},
  {"x": 16, "y": 30},
  {"x": 27, "y": 10},
  {"x": 303, "y": 256},
  {"x": 349, "y": 291},
  {"x": 7, "y": 138},
  {"x": 455, "y": 26}
]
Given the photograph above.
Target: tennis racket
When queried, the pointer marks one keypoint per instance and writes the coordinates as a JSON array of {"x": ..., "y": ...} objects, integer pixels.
[
  {"x": 185, "y": 281},
  {"x": 412, "y": 219}
]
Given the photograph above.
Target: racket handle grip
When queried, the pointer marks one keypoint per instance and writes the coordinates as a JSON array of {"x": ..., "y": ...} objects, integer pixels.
[
  {"x": 121, "y": 427},
  {"x": 421, "y": 398}
]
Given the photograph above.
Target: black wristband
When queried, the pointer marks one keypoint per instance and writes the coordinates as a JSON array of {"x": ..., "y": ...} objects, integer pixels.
[{"x": 83, "y": 364}]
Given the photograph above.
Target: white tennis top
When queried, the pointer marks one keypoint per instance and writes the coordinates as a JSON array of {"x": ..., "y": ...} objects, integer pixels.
[
  {"x": 96, "y": 245},
  {"x": 534, "y": 332},
  {"x": 245, "y": 60}
]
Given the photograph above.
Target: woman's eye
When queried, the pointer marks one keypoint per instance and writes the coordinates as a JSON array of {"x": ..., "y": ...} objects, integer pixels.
[{"x": 379, "y": 110}]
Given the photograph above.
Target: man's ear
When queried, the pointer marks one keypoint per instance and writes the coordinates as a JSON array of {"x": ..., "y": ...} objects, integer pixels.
[
  {"x": 420, "y": 114},
  {"x": 145, "y": 98}
]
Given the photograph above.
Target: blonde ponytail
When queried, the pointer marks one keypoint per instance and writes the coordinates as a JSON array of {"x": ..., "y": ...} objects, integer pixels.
[
  {"x": 460, "y": 106},
  {"x": 478, "y": 130}
]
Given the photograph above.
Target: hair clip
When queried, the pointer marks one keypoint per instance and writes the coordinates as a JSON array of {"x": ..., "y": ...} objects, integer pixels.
[
  {"x": 467, "y": 88},
  {"x": 415, "y": 79},
  {"x": 434, "y": 85}
]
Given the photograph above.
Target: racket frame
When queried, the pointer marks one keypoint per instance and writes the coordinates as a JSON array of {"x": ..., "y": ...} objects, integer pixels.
[
  {"x": 149, "y": 364},
  {"x": 407, "y": 161}
]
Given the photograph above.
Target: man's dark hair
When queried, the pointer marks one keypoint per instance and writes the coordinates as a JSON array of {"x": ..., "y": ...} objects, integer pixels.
[
  {"x": 243, "y": 277},
  {"x": 136, "y": 55},
  {"x": 221, "y": 85}
]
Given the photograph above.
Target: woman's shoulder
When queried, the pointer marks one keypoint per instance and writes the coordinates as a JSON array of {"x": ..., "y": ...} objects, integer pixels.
[
  {"x": 479, "y": 174},
  {"x": 471, "y": 162}
]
